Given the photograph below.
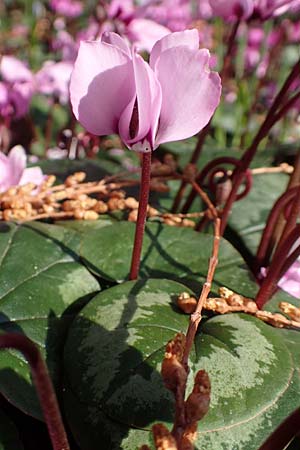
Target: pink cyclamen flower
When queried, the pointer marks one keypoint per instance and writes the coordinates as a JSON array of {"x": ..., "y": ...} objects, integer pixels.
[
  {"x": 13, "y": 170},
  {"x": 53, "y": 79},
  {"x": 16, "y": 88},
  {"x": 67, "y": 8},
  {"x": 231, "y": 9},
  {"x": 113, "y": 90}
]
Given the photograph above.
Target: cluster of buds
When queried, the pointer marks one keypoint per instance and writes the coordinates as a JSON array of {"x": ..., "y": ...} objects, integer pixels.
[
  {"x": 188, "y": 412},
  {"x": 230, "y": 302}
]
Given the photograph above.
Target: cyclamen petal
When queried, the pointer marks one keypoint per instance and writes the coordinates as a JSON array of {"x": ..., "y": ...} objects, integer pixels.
[
  {"x": 102, "y": 85},
  {"x": 189, "y": 38},
  {"x": 173, "y": 98},
  {"x": 190, "y": 93},
  {"x": 147, "y": 104}
]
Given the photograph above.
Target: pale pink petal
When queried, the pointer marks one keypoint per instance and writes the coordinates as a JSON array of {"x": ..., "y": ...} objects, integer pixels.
[
  {"x": 116, "y": 40},
  {"x": 290, "y": 282},
  {"x": 147, "y": 102},
  {"x": 188, "y": 38},
  {"x": 12, "y": 69},
  {"x": 32, "y": 175},
  {"x": 102, "y": 85},
  {"x": 17, "y": 163},
  {"x": 190, "y": 93},
  {"x": 144, "y": 33},
  {"x": 5, "y": 173}
]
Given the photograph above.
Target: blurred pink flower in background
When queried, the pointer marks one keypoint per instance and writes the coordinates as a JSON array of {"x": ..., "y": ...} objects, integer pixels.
[
  {"x": 231, "y": 9},
  {"x": 53, "y": 79},
  {"x": 113, "y": 90},
  {"x": 67, "y": 8},
  {"x": 13, "y": 170},
  {"x": 16, "y": 88}
]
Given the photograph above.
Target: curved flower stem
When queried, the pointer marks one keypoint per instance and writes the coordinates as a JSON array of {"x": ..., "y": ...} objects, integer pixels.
[
  {"x": 266, "y": 245},
  {"x": 43, "y": 386},
  {"x": 272, "y": 117},
  {"x": 269, "y": 285},
  {"x": 294, "y": 180},
  {"x": 142, "y": 214}
]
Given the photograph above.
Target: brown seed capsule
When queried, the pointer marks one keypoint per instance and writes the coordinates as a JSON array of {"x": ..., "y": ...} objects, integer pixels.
[
  {"x": 197, "y": 404},
  {"x": 132, "y": 217},
  {"x": 218, "y": 305},
  {"x": 50, "y": 180},
  {"x": 90, "y": 215},
  {"x": 74, "y": 179},
  {"x": 225, "y": 292},
  {"x": 189, "y": 436},
  {"x": 26, "y": 188},
  {"x": 118, "y": 194},
  {"x": 113, "y": 204},
  {"x": 188, "y": 223},
  {"x": 131, "y": 203},
  {"x": 19, "y": 214},
  {"x": 11, "y": 191},
  {"x": 162, "y": 438},
  {"x": 290, "y": 310},
  {"x": 173, "y": 373},
  {"x": 235, "y": 300},
  {"x": 48, "y": 208},
  {"x": 152, "y": 212},
  {"x": 79, "y": 214},
  {"x": 169, "y": 221},
  {"x": 186, "y": 303},
  {"x": 100, "y": 207},
  {"x": 8, "y": 214}
]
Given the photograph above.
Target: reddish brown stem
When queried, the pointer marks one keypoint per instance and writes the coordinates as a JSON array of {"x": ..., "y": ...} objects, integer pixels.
[
  {"x": 269, "y": 285},
  {"x": 266, "y": 245},
  {"x": 196, "y": 316},
  {"x": 43, "y": 386},
  {"x": 142, "y": 215},
  {"x": 272, "y": 117}
]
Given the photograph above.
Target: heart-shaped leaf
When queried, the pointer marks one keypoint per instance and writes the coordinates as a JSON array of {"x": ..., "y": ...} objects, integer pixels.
[
  {"x": 114, "y": 391},
  {"x": 169, "y": 252},
  {"x": 40, "y": 278}
]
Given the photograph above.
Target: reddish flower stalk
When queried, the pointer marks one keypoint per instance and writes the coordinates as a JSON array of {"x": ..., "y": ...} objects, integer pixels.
[
  {"x": 294, "y": 180},
  {"x": 265, "y": 248},
  {"x": 142, "y": 215},
  {"x": 277, "y": 267},
  {"x": 43, "y": 386},
  {"x": 272, "y": 117},
  {"x": 211, "y": 168}
]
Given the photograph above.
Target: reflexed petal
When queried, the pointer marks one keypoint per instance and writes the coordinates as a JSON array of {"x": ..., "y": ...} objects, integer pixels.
[
  {"x": 148, "y": 102},
  {"x": 116, "y": 40},
  {"x": 17, "y": 163},
  {"x": 32, "y": 175},
  {"x": 5, "y": 173},
  {"x": 190, "y": 93},
  {"x": 102, "y": 85},
  {"x": 188, "y": 38}
]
